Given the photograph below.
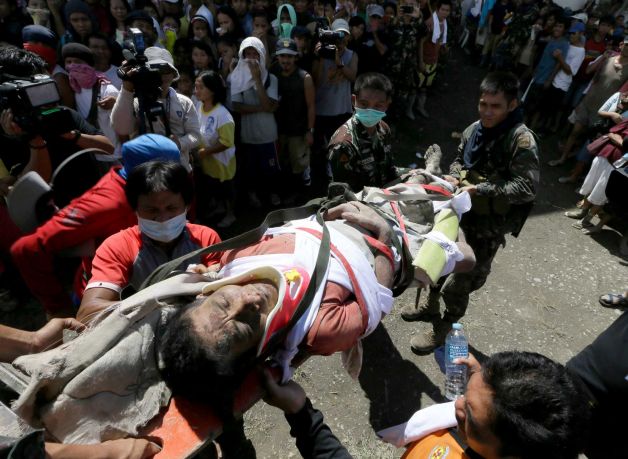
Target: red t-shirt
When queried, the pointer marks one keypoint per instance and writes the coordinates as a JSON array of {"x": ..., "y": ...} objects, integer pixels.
[{"x": 128, "y": 257}]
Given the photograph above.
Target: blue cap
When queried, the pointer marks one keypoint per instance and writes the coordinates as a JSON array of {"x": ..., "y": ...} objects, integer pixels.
[
  {"x": 457, "y": 326},
  {"x": 577, "y": 27},
  {"x": 147, "y": 147},
  {"x": 39, "y": 33}
]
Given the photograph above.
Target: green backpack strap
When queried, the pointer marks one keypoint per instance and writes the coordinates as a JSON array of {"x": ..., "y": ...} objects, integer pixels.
[{"x": 249, "y": 237}]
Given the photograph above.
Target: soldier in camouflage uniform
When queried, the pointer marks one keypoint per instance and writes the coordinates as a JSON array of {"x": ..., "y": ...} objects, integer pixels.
[
  {"x": 360, "y": 151},
  {"x": 405, "y": 32},
  {"x": 498, "y": 164}
]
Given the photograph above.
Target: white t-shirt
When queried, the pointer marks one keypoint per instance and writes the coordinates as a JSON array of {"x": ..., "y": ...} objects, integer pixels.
[
  {"x": 574, "y": 59},
  {"x": 217, "y": 126},
  {"x": 261, "y": 127},
  {"x": 112, "y": 75},
  {"x": 83, "y": 101},
  {"x": 611, "y": 104}
]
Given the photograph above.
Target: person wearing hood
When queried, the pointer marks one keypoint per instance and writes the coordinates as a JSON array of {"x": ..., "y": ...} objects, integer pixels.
[
  {"x": 160, "y": 193},
  {"x": 100, "y": 212},
  {"x": 254, "y": 94},
  {"x": 182, "y": 116},
  {"x": 80, "y": 22},
  {"x": 498, "y": 165},
  {"x": 285, "y": 22},
  {"x": 202, "y": 25},
  {"x": 94, "y": 94}
]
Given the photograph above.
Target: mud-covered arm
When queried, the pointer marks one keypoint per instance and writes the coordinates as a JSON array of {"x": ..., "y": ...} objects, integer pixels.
[{"x": 458, "y": 163}]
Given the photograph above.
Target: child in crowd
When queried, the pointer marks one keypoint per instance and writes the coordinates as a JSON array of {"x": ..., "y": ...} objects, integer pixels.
[
  {"x": 217, "y": 153},
  {"x": 228, "y": 23},
  {"x": 262, "y": 30},
  {"x": 202, "y": 57}
]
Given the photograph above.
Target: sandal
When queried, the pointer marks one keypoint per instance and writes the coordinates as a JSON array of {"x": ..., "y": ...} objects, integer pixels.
[{"x": 613, "y": 300}]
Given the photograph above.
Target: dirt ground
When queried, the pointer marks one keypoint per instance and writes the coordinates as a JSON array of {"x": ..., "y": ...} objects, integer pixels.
[{"x": 541, "y": 296}]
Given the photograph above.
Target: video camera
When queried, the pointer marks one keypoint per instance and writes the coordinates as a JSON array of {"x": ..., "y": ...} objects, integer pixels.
[
  {"x": 34, "y": 102},
  {"x": 329, "y": 43},
  {"x": 146, "y": 80}
]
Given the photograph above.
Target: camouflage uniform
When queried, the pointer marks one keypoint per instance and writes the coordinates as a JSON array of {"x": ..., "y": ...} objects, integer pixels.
[
  {"x": 506, "y": 178},
  {"x": 403, "y": 63},
  {"x": 359, "y": 159}
]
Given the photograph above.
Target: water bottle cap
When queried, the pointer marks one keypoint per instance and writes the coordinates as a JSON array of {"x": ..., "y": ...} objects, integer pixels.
[{"x": 457, "y": 326}]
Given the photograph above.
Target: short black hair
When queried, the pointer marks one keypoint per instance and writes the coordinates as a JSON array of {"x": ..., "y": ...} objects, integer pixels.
[
  {"x": 443, "y": 3},
  {"x": 260, "y": 13},
  {"x": 198, "y": 371},
  {"x": 374, "y": 81},
  {"x": 607, "y": 19},
  {"x": 539, "y": 409},
  {"x": 356, "y": 21},
  {"x": 176, "y": 19},
  {"x": 155, "y": 176},
  {"x": 213, "y": 81},
  {"x": 504, "y": 82},
  {"x": 200, "y": 44},
  {"x": 566, "y": 22},
  {"x": 21, "y": 63}
]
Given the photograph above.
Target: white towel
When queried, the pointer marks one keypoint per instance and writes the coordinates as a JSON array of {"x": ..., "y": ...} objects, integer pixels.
[
  {"x": 422, "y": 423},
  {"x": 436, "y": 33},
  {"x": 241, "y": 78}
]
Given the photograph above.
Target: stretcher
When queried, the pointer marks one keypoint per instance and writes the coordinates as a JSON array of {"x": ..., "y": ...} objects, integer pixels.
[{"x": 185, "y": 427}]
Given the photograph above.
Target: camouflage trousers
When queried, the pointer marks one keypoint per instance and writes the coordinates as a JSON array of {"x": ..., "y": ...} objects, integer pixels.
[{"x": 455, "y": 288}]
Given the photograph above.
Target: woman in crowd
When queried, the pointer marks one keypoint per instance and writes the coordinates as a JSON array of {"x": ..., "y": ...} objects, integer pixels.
[
  {"x": 202, "y": 57},
  {"x": 228, "y": 23},
  {"x": 80, "y": 23},
  {"x": 118, "y": 10},
  {"x": 217, "y": 154}
]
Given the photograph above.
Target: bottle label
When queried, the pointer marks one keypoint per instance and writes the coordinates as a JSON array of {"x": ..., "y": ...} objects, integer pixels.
[{"x": 457, "y": 350}]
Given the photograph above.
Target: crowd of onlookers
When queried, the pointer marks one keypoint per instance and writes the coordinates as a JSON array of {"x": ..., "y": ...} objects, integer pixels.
[
  {"x": 252, "y": 92},
  {"x": 574, "y": 69}
]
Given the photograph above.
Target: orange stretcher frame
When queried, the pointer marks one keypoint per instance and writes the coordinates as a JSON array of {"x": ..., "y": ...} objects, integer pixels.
[{"x": 185, "y": 427}]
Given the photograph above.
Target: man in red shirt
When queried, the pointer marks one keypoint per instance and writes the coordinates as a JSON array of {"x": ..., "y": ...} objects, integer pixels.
[
  {"x": 160, "y": 193},
  {"x": 98, "y": 213}
]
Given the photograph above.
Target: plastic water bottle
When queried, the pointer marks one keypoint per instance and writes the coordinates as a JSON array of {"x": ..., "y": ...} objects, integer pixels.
[{"x": 456, "y": 345}]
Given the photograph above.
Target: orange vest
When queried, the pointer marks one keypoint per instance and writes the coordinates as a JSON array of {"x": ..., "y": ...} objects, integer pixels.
[{"x": 439, "y": 445}]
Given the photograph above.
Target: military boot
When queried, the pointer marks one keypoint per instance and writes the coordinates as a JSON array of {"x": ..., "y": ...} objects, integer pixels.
[
  {"x": 430, "y": 336},
  {"x": 424, "y": 312}
]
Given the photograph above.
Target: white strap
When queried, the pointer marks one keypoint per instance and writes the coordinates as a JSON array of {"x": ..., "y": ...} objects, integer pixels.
[{"x": 452, "y": 252}]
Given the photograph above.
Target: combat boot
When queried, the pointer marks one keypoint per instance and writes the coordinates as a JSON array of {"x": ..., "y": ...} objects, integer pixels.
[
  {"x": 423, "y": 312},
  {"x": 430, "y": 336}
]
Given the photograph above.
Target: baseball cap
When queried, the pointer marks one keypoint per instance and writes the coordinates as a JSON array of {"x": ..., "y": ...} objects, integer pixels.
[
  {"x": 577, "y": 27},
  {"x": 340, "y": 25},
  {"x": 147, "y": 147},
  {"x": 375, "y": 10},
  {"x": 287, "y": 46},
  {"x": 160, "y": 56}
]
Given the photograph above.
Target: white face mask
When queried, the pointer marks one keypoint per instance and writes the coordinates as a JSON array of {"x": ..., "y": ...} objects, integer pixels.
[{"x": 163, "y": 231}]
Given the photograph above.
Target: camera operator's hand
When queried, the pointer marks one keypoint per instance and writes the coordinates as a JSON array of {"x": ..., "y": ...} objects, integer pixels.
[
  {"x": 130, "y": 72},
  {"x": 317, "y": 49},
  {"x": 339, "y": 63},
  {"x": 9, "y": 126},
  {"x": 107, "y": 103},
  {"x": 256, "y": 72}
]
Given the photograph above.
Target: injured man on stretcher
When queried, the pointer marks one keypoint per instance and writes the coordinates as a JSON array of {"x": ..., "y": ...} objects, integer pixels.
[{"x": 202, "y": 331}]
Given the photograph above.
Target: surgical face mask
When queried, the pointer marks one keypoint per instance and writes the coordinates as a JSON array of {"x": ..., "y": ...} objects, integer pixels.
[
  {"x": 368, "y": 116},
  {"x": 163, "y": 231}
]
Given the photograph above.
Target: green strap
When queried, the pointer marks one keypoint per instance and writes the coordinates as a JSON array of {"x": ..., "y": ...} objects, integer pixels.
[{"x": 249, "y": 237}]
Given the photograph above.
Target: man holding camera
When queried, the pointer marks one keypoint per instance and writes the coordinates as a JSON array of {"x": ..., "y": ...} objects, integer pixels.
[
  {"x": 180, "y": 119},
  {"x": 333, "y": 73}
]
